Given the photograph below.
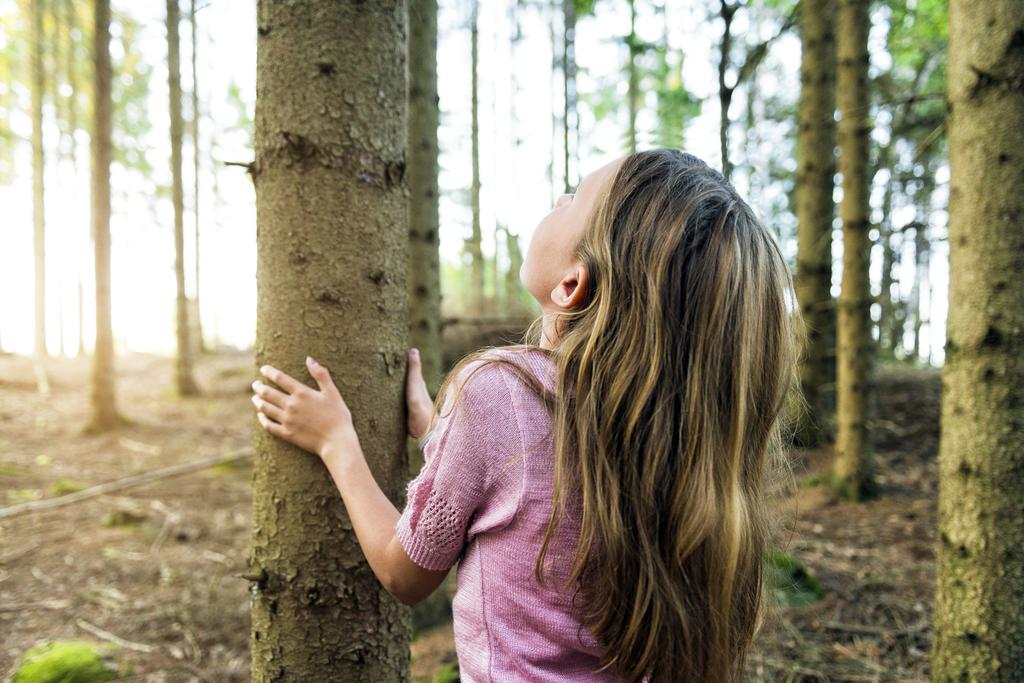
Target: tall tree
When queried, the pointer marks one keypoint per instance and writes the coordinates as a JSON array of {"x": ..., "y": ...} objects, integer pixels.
[
  {"x": 853, "y": 467},
  {"x": 513, "y": 302},
  {"x": 183, "y": 380},
  {"x": 476, "y": 284},
  {"x": 747, "y": 69},
  {"x": 815, "y": 210},
  {"x": 922, "y": 255},
  {"x": 633, "y": 77},
  {"x": 424, "y": 258},
  {"x": 979, "y": 620},
  {"x": 569, "y": 120},
  {"x": 103, "y": 404},
  {"x": 332, "y": 250},
  {"x": 38, "y": 206},
  {"x": 200, "y": 346}
]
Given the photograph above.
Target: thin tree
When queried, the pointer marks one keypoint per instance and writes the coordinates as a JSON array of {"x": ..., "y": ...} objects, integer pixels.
[
  {"x": 853, "y": 468},
  {"x": 754, "y": 57},
  {"x": 424, "y": 259},
  {"x": 183, "y": 379},
  {"x": 200, "y": 345},
  {"x": 815, "y": 210},
  {"x": 38, "y": 205},
  {"x": 633, "y": 77},
  {"x": 332, "y": 250},
  {"x": 979, "y": 620},
  {"x": 72, "y": 113},
  {"x": 569, "y": 115},
  {"x": 102, "y": 403},
  {"x": 476, "y": 283}
]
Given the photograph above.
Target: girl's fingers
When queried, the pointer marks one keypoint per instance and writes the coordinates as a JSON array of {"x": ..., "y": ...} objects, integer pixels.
[
  {"x": 271, "y": 426},
  {"x": 269, "y": 394},
  {"x": 268, "y": 409},
  {"x": 282, "y": 379}
]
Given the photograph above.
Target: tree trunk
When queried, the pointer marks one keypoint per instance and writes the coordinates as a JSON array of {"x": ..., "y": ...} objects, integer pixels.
[
  {"x": 332, "y": 254},
  {"x": 200, "y": 345},
  {"x": 424, "y": 259},
  {"x": 815, "y": 209},
  {"x": 633, "y": 94},
  {"x": 183, "y": 380},
  {"x": 887, "y": 341},
  {"x": 72, "y": 105},
  {"x": 512, "y": 284},
  {"x": 922, "y": 253},
  {"x": 853, "y": 465},
  {"x": 476, "y": 284},
  {"x": 102, "y": 402},
  {"x": 979, "y": 623},
  {"x": 568, "y": 88},
  {"x": 38, "y": 207},
  {"x": 727, "y": 11}
]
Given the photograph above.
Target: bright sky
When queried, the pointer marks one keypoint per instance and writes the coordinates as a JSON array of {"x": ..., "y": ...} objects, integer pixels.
[{"x": 515, "y": 187}]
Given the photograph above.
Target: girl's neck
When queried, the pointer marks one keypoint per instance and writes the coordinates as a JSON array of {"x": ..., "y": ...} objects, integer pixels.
[{"x": 548, "y": 339}]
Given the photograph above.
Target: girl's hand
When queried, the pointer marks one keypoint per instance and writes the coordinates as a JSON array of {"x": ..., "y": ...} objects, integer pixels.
[
  {"x": 303, "y": 416},
  {"x": 417, "y": 397}
]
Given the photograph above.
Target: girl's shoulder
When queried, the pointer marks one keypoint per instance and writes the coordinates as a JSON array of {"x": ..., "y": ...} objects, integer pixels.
[{"x": 500, "y": 370}]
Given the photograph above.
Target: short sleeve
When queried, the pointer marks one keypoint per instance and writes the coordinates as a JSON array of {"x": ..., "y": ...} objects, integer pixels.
[{"x": 461, "y": 473}]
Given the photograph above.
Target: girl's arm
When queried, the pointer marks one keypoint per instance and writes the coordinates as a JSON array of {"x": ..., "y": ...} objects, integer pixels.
[
  {"x": 320, "y": 422},
  {"x": 374, "y": 519}
]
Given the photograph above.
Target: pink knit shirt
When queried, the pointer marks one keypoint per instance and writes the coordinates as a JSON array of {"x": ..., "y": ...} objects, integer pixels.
[{"x": 477, "y": 503}]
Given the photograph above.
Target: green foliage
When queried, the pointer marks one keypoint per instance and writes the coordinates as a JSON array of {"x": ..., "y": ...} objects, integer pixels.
[
  {"x": 584, "y": 7},
  {"x": 13, "y": 77},
  {"x": 130, "y": 90},
  {"x": 68, "y": 37},
  {"x": 789, "y": 584},
  {"x": 65, "y": 661},
  {"x": 676, "y": 104}
]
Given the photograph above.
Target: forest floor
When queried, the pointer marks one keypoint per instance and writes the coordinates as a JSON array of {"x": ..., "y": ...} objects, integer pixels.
[{"x": 154, "y": 565}]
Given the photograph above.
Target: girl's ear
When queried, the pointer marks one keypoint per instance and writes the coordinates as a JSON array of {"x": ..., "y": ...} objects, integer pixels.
[{"x": 572, "y": 291}]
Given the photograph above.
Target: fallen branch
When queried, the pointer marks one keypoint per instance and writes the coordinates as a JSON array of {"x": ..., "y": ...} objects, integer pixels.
[
  {"x": 877, "y": 630},
  {"x": 107, "y": 635},
  {"x": 120, "y": 484}
]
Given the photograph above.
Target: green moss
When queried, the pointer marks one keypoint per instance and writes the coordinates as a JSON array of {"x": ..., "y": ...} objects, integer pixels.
[
  {"x": 64, "y": 486},
  {"x": 233, "y": 466},
  {"x": 812, "y": 480},
  {"x": 116, "y": 518},
  {"x": 788, "y": 582},
  {"x": 449, "y": 674},
  {"x": 10, "y": 469},
  {"x": 65, "y": 661},
  {"x": 23, "y": 495}
]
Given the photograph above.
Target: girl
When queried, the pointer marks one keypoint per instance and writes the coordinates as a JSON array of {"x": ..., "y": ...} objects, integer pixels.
[{"x": 624, "y": 449}]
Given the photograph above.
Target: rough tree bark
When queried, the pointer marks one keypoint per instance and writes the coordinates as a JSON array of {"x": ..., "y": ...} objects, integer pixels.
[
  {"x": 184, "y": 382},
  {"x": 424, "y": 259},
  {"x": 979, "y": 623},
  {"x": 852, "y": 470},
  {"x": 332, "y": 253},
  {"x": 815, "y": 210}
]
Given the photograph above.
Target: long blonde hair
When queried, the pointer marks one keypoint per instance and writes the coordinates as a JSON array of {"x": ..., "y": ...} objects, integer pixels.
[{"x": 673, "y": 381}]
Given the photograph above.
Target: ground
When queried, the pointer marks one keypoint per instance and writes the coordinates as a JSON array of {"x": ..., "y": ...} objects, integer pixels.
[{"x": 153, "y": 566}]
